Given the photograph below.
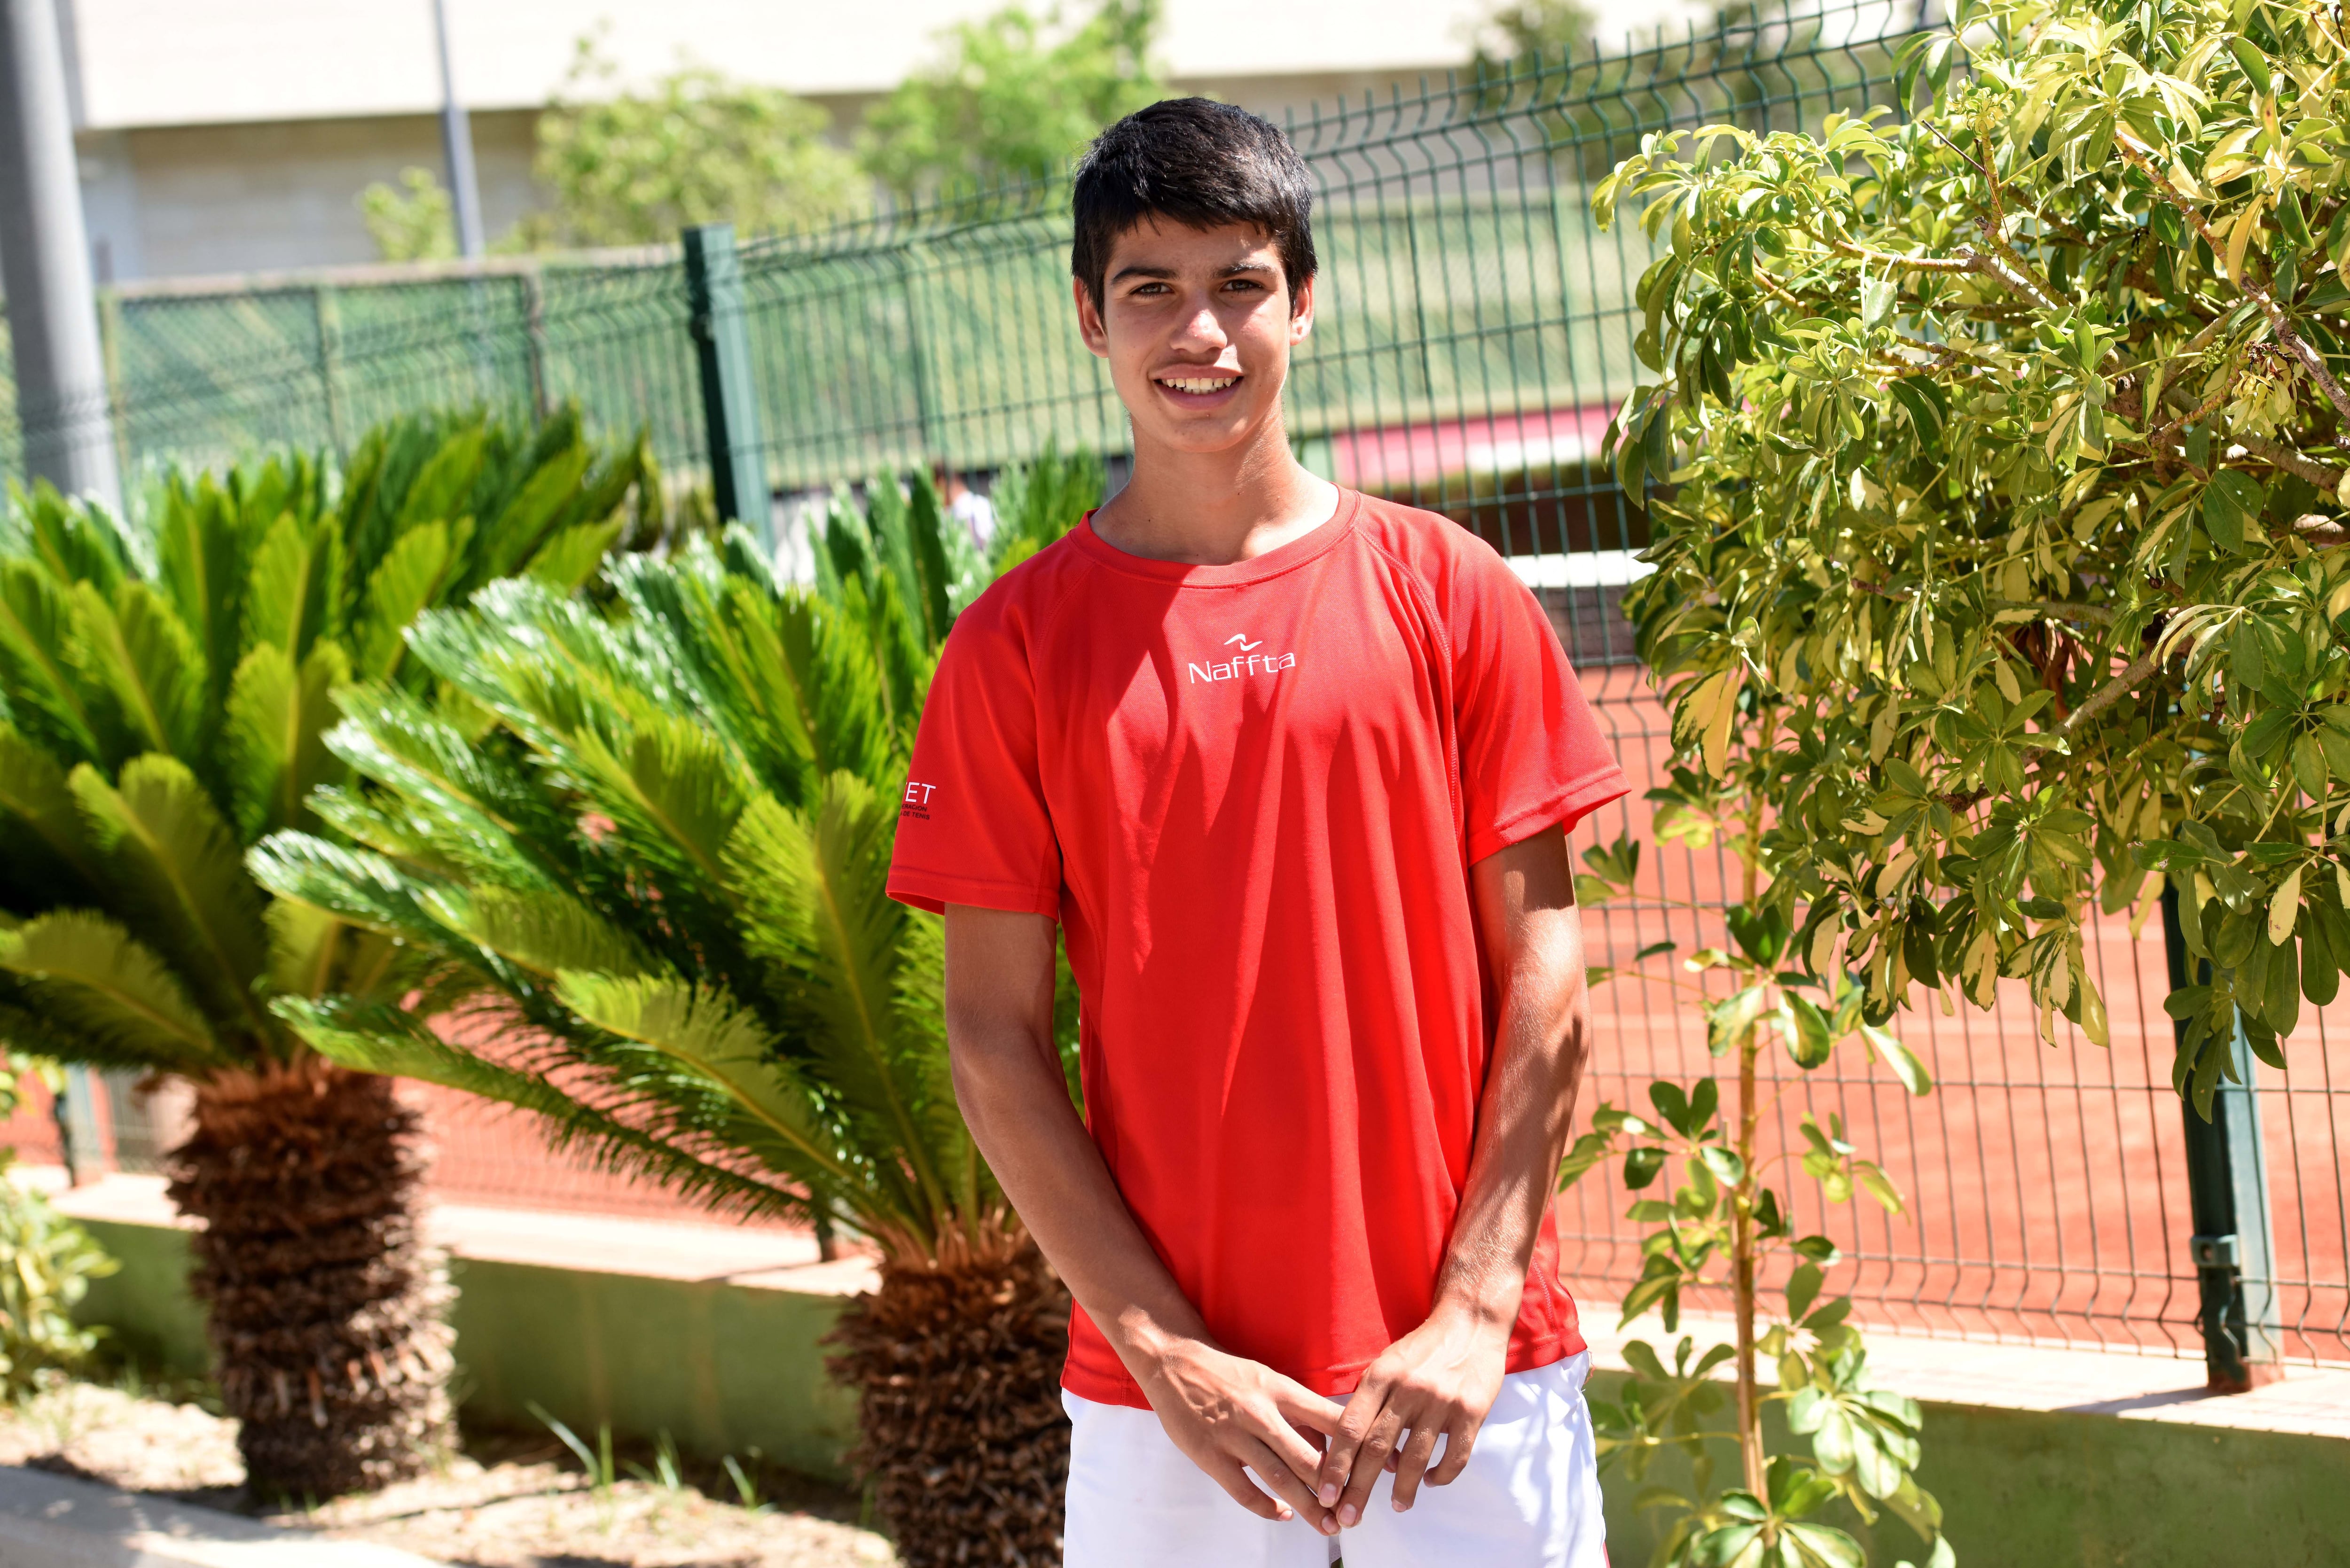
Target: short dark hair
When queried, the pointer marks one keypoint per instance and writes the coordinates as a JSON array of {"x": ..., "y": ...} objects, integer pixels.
[{"x": 1201, "y": 163}]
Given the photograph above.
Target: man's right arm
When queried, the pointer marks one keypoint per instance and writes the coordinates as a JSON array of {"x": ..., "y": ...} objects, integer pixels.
[{"x": 1224, "y": 1411}]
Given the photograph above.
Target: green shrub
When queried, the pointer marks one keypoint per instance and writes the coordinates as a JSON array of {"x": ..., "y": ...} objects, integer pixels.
[{"x": 46, "y": 1262}]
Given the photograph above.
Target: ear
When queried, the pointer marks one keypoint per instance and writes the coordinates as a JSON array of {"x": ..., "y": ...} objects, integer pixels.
[
  {"x": 1301, "y": 314},
  {"x": 1089, "y": 319}
]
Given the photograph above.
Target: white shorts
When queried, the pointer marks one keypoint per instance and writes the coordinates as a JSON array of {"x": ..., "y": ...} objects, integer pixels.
[{"x": 1528, "y": 1499}]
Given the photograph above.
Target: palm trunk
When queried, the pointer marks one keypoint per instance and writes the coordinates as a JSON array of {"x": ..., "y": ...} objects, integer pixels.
[
  {"x": 957, "y": 1364},
  {"x": 326, "y": 1309}
]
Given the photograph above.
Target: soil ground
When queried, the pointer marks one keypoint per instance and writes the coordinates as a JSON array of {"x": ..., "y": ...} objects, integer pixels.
[{"x": 510, "y": 1499}]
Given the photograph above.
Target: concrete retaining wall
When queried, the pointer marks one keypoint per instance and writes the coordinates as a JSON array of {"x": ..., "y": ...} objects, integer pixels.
[{"x": 721, "y": 1368}]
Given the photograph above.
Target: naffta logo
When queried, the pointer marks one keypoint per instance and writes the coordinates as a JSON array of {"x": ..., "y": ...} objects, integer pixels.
[{"x": 1243, "y": 662}]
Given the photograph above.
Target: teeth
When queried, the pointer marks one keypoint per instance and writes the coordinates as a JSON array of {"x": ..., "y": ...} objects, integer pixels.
[{"x": 1199, "y": 384}]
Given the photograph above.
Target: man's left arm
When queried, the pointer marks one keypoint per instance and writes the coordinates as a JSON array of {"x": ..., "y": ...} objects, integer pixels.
[{"x": 1439, "y": 1380}]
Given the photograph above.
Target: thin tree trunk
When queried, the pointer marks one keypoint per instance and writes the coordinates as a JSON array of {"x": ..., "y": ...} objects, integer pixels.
[
  {"x": 957, "y": 1362},
  {"x": 1750, "y": 1402},
  {"x": 1742, "y": 1239},
  {"x": 325, "y": 1308}
]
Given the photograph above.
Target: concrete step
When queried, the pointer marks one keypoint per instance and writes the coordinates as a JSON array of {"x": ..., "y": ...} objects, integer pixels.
[{"x": 58, "y": 1521}]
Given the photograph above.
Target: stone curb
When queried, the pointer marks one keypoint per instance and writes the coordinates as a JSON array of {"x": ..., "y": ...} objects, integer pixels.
[{"x": 58, "y": 1521}]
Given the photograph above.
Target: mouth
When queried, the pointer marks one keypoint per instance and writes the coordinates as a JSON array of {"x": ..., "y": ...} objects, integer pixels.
[{"x": 1198, "y": 390}]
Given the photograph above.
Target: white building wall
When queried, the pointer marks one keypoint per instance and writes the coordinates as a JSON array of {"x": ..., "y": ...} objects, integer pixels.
[{"x": 231, "y": 136}]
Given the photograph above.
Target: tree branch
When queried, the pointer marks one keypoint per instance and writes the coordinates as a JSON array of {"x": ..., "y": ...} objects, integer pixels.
[
  {"x": 2057, "y": 610},
  {"x": 2278, "y": 455},
  {"x": 2279, "y": 322},
  {"x": 2111, "y": 692}
]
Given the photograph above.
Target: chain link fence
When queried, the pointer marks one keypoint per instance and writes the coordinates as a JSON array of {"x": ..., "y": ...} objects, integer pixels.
[{"x": 1475, "y": 335}]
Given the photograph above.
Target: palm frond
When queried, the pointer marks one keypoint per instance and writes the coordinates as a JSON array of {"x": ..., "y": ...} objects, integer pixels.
[
  {"x": 179, "y": 880},
  {"x": 294, "y": 595},
  {"x": 814, "y": 888},
  {"x": 49, "y": 840},
  {"x": 412, "y": 576},
  {"x": 275, "y": 742},
  {"x": 40, "y": 636},
  {"x": 139, "y": 649},
  {"x": 548, "y": 933},
  {"x": 391, "y": 1041},
  {"x": 355, "y": 886},
  {"x": 711, "y": 1035},
  {"x": 90, "y": 980}
]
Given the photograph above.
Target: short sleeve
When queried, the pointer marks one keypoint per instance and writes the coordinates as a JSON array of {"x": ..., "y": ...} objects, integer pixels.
[
  {"x": 973, "y": 826},
  {"x": 1531, "y": 752}
]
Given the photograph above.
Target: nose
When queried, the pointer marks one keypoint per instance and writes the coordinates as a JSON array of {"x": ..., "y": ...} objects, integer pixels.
[{"x": 1200, "y": 329}]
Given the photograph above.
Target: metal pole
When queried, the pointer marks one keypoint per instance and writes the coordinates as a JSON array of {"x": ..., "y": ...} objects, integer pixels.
[
  {"x": 2233, "y": 1246},
  {"x": 457, "y": 143},
  {"x": 729, "y": 398},
  {"x": 61, "y": 391}
]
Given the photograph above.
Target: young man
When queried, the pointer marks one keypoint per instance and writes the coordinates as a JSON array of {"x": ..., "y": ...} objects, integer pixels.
[{"x": 1292, "y": 769}]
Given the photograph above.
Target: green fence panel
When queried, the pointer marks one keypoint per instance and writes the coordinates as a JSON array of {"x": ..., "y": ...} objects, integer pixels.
[{"x": 1475, "y": 331}]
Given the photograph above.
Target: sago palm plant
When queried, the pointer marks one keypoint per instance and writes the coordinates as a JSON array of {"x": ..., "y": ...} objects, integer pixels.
[
  {"x": 163, "y": 691},
  {"x": 653, "y": 898}
]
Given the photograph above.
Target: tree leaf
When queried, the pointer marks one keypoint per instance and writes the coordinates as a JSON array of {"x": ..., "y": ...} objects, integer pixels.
[{"x": 1897, "y": 1056}]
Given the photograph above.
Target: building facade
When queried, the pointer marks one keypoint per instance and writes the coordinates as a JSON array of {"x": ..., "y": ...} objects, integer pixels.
[{"x": 235, "y": 136}]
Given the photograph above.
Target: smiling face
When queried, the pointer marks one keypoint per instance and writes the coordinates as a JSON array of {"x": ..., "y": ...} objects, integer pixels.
[{"x": 1196, "y": 326}]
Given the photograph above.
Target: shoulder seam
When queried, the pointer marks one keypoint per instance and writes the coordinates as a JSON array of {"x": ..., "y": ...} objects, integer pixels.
[{"x": 1420, "y": 590}]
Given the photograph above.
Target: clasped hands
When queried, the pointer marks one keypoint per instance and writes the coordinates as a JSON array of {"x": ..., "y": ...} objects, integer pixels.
[{"x": 1319, "y": 1457}]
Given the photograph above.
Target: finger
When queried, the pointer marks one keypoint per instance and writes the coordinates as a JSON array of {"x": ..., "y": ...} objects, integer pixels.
[
  {"x": 1410, "y": 1462},
  {"x": 1459, "y": 1439},
  {"x": 1295, "y": 1491},
  {"x": 1308, "y": 1409},
  {"x": 1356, "y": 1418},
  {"x": 1297, "y": 1457},
  {"x": 1384, "y": 1439},
  {"x": 1229, "y": 1476}
]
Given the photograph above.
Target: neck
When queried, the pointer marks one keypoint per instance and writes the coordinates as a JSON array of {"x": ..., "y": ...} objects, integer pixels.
[{"x": 1213, "y": 508}]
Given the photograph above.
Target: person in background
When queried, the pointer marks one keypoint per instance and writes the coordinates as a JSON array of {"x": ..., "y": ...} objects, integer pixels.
[{"x": 967, "y": 506}]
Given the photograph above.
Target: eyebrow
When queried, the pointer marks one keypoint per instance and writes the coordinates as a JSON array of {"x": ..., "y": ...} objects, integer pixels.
[{"x": 1136, "y": 269}]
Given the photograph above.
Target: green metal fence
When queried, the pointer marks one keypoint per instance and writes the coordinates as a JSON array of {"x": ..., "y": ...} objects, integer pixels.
[
  {"x": 1475, "y": 333},
  {"x": 1472, "y": 335}
]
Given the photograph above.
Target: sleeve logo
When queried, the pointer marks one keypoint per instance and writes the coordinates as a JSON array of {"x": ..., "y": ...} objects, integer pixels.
[{"x": 916, "y": 802}]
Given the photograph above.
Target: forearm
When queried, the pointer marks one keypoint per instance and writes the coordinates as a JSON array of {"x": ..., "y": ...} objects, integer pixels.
[
  {"x": 1536, "y": 938},
  {"x": 1008, "y": 1081},
  {"x": 1234, "y": 1418}
]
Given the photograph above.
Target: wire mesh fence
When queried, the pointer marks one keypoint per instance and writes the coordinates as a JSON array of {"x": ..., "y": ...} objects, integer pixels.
[{"x": 1475, "y": 332}]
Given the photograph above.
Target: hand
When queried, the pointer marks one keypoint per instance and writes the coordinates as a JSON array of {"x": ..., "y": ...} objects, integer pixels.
[
  {"x": 1437, "y": 1381},
  {"x": 1230, "y": 1415}
]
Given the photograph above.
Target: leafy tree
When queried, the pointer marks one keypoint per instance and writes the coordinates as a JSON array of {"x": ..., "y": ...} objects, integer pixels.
[
  {"x": 1012, "y": 98},
  {"x": 2004, "y": 461},
  {"x": 411, "y": 221},
  {"x": 650, "y": 905},
  {"x": 1519, "y": 30},
  {"x": 620, "y": 168},
  {"x": 163, "y": 692}
]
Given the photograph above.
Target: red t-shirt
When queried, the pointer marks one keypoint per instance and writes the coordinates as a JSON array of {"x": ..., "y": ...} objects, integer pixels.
[{"x": 1251, "y": 793}]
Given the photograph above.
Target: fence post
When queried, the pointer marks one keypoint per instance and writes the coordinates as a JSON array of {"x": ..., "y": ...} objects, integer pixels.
[
  {"x": 534, "y": 304},
  {"x": 329, "y": 317},
  {"x": 2233, "y": 1246},
  {"x": 730, "y": 398}
]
